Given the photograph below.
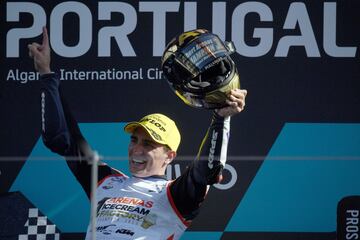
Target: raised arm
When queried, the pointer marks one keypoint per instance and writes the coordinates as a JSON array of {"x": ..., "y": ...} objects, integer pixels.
[
  {"x": 54, "y": 129},
  {"x": 189, "y": 190},
  {"x": 59, "y": 129}
]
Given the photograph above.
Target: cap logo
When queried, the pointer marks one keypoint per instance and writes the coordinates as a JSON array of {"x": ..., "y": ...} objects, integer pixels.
[
  {"x": 155, "y": 123},
  {"x": 154, "y": 134}
]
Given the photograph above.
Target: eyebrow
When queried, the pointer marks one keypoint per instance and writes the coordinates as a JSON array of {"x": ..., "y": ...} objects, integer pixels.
[{"x": 147, "y": 141}]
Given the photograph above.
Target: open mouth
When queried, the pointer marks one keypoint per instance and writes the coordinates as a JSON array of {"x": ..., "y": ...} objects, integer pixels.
[{"x": 138, "y": 161}]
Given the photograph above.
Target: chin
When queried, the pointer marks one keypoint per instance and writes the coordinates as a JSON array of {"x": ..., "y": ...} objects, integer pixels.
[{"x": 139, "y": 174}]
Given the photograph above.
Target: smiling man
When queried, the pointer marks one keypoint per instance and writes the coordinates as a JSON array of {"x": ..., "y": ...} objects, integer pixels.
[
  {"x": 144, "y": 205},
  {"x": 154, "y": 141}
]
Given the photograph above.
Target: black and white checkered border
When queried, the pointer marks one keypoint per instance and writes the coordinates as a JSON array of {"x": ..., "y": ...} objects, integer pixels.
[{"x": 39, "y": 228}]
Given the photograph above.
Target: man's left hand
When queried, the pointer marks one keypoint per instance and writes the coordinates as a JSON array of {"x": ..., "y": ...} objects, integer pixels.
[{"x": 235, "y": 101}]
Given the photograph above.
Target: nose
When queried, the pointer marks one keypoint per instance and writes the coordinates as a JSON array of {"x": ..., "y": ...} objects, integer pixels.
[{"x": 135, "y": 148}]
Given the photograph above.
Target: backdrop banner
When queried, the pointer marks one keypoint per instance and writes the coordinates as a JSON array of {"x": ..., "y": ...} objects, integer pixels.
[{"x": 294, "y": 152}]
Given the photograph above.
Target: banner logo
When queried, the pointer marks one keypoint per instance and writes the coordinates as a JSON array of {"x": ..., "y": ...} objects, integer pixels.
[{"x": 95, "y": 30}]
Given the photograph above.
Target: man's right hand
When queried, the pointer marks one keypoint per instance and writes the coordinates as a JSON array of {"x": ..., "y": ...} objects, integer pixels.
[{"x": 41, "y": 54}]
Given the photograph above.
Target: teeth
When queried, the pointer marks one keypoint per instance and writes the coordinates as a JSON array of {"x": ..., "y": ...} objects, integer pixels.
[{"x": 138, "y": 161}]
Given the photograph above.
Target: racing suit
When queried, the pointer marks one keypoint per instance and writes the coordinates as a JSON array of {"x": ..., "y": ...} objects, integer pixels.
[{"x": 130, "y": 207}]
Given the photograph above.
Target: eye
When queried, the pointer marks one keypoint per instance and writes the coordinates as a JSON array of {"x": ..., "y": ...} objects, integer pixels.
[
  {"x": 148, "y": 144},
  {"x": 133, "y": 139}
]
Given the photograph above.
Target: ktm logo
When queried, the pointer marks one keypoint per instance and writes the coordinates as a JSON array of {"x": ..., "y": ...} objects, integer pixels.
[{"x": 125, "y": 231}]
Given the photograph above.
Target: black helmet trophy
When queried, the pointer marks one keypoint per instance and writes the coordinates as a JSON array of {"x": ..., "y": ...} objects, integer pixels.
[{"x": 198, "y": 67}]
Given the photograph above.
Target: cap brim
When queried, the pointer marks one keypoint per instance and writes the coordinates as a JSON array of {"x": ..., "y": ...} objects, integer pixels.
[{"x": 131, "y": 127}]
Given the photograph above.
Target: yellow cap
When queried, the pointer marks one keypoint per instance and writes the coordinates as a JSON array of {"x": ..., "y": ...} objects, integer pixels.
[{"x": 162, "y": 129}]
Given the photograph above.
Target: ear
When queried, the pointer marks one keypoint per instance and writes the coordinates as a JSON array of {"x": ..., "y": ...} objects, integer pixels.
[{"x": 170, "y": 156}]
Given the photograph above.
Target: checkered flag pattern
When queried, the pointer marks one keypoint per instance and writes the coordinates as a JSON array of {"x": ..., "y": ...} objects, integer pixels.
[{"x": 39, "y": 228}]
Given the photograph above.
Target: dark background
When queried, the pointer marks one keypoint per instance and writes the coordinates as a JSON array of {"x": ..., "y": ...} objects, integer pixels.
[{"x": 295, "y": 88}]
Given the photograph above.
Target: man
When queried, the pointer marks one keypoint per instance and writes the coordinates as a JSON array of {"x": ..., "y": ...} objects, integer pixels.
[{"x": 144, "y": 205}]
